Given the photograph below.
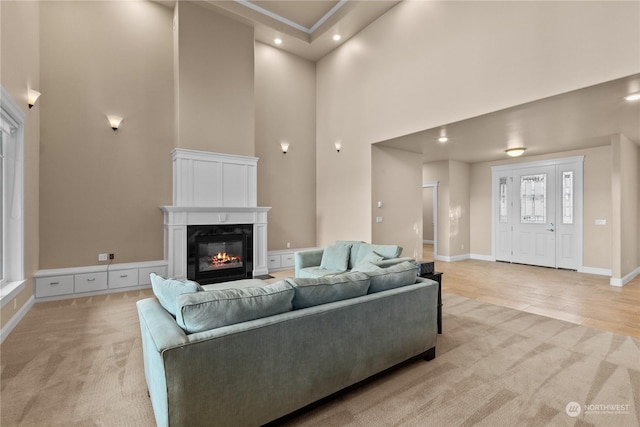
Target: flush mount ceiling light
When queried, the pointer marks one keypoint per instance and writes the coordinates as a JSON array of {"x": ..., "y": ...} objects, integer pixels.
[
  {"x": 32, "y": 97},
  {"x": 443, "y": 139},
  {"x": 632, "y": 96},
  {"x": 277, "y": 41},
  {"x": 114, "y": 121},
  {"x": 337, "y": 37},
  {"x": 515, "y": 152}
]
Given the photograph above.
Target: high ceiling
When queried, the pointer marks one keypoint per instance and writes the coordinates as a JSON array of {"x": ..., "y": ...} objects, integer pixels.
[
  {"x": 307, "y": 27},
  {"x": 580, "y": 119}
]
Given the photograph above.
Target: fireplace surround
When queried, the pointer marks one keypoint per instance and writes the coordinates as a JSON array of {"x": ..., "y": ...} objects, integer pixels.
[{"x": 213, "y": 190}]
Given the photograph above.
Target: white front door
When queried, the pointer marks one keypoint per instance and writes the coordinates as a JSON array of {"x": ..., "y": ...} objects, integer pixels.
[
  {"x": 534, "y": 217},
  {"x": 538, "y": 213}
]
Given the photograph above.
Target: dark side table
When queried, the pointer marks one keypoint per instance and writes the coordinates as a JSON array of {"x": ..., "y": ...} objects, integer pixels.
[{"x": 438, "y": 278}]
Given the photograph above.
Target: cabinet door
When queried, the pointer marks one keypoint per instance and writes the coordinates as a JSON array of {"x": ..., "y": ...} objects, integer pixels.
[
  {"x": 90, "y": 282},
  {"x": 143, "y": 274},
  {"x": 123, "y": 278},
  {"x": 288, "y": 261},
  {"x": 273, "y": 261},
  {"x": 53, "y": 286}
]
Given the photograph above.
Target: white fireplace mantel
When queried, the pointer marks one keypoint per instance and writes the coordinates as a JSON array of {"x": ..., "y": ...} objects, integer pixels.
[{"x": 212, "y": 189}]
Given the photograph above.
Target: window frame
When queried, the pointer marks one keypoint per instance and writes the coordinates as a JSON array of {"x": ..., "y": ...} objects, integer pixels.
[{"x": 12, "y": 118}]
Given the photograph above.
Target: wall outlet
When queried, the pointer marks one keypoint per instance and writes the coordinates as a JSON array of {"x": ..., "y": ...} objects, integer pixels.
[
  {"x": 103, "y": 257},
  {"x": 288, "y": 245},
  {"x": 112, "y": 256},
  {"x": 601, "y": 222},
  {"x": 378, "y": 219}
]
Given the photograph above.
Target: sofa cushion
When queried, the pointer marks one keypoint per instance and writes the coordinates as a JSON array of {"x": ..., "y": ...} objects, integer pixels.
[
  {"x": 206, "y": 310},
  {"x": 395, "y": 276},
  {"x": 336, "y": 257},
  {"x": 235, "y": 284},
  {"x": 386, "y": 251},
  {"x": 312, "y": 272},
  {"x": 322, "y": 290},
  {"x": 167, "y": 289}
]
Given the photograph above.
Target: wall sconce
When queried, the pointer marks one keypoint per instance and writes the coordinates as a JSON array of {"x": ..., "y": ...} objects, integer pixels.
[
  {"x": 114, "y": 121},
  {"x": 515, "y": 152},
  {"x": 338, "y": 145},
  {"x": 285, "y": 147},
  {"x": 32, "y": 97}
]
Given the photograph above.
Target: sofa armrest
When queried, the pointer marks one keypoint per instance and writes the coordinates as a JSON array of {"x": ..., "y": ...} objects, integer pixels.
[
  {"x": 393, "y": 261},
  {"x": 306, "y": 259}
]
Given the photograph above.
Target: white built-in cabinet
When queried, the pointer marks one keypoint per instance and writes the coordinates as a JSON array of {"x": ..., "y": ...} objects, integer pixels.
[
  {"x": 63, "y": 283},
  {"x": 283, "y": 259}
]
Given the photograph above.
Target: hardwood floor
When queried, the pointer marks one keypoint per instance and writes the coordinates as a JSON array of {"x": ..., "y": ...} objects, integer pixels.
[{"x": 580, "y": 298}]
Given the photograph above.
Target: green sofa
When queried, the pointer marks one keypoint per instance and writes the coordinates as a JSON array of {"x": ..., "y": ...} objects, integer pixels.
[
  {"x": 343, "y": 256},
  {"x": 329, "y": 333}
]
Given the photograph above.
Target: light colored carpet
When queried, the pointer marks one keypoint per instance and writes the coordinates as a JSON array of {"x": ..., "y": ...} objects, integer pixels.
[{"x": 78, "y": 362}]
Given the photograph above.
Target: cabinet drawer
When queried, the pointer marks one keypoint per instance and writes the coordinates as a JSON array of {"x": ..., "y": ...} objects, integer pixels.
[
  {"x": 273, "y": 261},
  {"x": 143, "y": 274},
  {"x": 90, "y": 282},
  {"x": 287, "y": 260},
  {"x": 123, "y": 278},
  {"x": 54, "y": 285}
]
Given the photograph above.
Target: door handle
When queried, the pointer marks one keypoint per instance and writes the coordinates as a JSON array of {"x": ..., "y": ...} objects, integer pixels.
[{"x": 550, "y": 229}]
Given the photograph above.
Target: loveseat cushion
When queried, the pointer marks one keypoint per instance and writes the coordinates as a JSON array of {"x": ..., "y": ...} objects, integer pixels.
[
  {"x": 395, "y": 276},
  {"x": 167, "y": 289},
  {"x": 323, "y": 290},
  {"x": 314, "y": 272},
  {"x": 211, "y": 309},
  {"x": 336, "y": 257}
]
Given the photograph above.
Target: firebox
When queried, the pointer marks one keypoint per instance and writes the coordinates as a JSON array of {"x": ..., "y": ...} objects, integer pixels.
[{"x": 217, "y": 253}]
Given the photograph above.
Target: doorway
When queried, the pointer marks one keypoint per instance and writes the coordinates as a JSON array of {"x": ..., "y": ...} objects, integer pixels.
[
  {"x": 537, "y": 213},
  {"x": 430, "y": 218}
]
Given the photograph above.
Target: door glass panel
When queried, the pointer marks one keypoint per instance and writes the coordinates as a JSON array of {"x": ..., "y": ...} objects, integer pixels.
[
  {"x": 533, "y": 199},
  {"x": 503, "y": 201},
  {"x": 567, "y": 197}
]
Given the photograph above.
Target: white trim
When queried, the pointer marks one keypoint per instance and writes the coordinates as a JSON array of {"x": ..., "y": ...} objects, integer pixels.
[
  {"x": 427, "y": 242},
  {"x": 480, "y": 257},
  {"x": 626, "y": 279},
  {"x": 98, "y": 268},
  {"x": 13, "y": 322},
  {"x": 289, "y": 22},
  {"x": 538, "y": 163},
  {"x": 10, "y": 290},
  {"x": 452, "y": 258}
]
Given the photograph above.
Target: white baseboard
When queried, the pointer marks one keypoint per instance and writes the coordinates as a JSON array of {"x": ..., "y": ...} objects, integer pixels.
[
  {"x": 480, "y": 257},
  {"x": 11, "y": 324},
  {"x": 451, "y": 258},
  {"x": 594, "y": 270},
  {"x": 428, "y": 242},
  {"x": 626, "y": 279}
]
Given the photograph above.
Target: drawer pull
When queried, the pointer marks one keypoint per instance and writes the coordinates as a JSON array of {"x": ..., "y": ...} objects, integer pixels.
[
  {"x": 91, "y": 280},
  {"x": 54, "y": 283},
  {"x": 122, "y": 276}
]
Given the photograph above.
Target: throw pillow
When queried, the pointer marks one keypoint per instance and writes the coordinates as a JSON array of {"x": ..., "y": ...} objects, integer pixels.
[
  {"x": 395, "y": 276},
  {"x": 206, "y": 310},
  {"x": 167, "y": 289},
  {"x": 370, "y": 257},
  {"x": 323, "y": 290},
  {"x": 336, "y": 257},
  {"x": 366, "y": 267}
]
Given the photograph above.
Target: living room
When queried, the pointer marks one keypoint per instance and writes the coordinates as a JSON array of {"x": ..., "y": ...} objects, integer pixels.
[{"x": 199, "y": 80}]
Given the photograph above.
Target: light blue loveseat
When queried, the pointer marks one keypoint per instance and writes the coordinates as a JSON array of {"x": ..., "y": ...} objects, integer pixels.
[
  {"x": 344, "y": 255},
  {"x": 256, "y": 371}
]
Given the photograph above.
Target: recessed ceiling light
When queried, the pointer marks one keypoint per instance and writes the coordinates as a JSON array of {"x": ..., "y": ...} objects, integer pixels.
[
  {"x": 443, "y": 139},
  {"x": 337, "y": 37},
  {"x": 515, "y": 152},
  {"x": 277, "y": 41},
  {"x": 633, "y": 96}
]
